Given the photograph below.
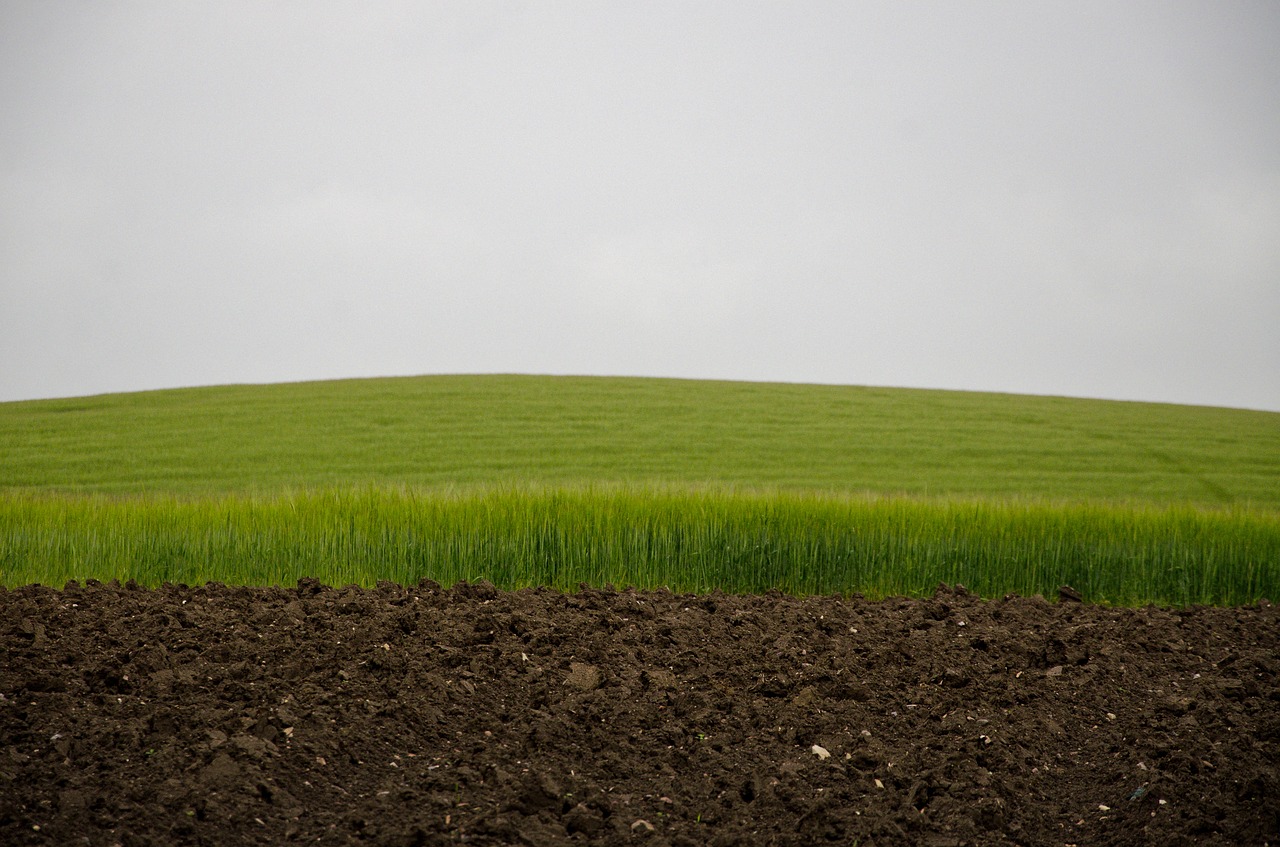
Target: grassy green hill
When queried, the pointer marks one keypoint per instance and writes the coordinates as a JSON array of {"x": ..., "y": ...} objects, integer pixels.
[
  {"x": 465, "y": 431},
  {"x": 648, "y": 482}
]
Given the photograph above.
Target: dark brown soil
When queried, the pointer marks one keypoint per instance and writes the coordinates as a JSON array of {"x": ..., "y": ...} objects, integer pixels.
[{"x": 407, "y": 716}]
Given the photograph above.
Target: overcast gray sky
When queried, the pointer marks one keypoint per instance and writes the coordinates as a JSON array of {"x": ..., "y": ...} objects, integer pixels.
[{"x": 1073, "y": 198}]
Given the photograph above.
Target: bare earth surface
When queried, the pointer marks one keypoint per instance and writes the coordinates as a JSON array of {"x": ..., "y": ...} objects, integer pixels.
[{"x": 411, "y": 716}]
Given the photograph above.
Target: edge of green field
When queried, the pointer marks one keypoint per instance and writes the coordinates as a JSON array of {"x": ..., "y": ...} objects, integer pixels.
[
  {"x": 688, "y": 541},
  {"x": 695, "y": 486}
]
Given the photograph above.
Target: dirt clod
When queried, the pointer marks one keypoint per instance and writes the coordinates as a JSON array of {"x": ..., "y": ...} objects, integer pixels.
[
  {"x": 583, "y": 677},
  {"x": 1069, "y": 594}
]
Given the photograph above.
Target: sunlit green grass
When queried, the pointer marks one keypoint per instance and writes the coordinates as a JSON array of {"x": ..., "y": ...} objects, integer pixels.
[
  {"x": 687, "y": 541},
  {"x": 691, "y": 485}
]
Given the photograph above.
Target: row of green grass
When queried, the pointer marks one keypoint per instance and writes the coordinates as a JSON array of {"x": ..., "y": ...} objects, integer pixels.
[{"x": 686, "y": 540}]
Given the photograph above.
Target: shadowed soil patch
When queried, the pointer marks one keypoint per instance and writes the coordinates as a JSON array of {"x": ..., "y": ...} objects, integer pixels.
[{"x": 415, "y": 716}]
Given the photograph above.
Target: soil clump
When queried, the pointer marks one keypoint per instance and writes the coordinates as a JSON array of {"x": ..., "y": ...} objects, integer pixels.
[{"x": 421, "y": 716}]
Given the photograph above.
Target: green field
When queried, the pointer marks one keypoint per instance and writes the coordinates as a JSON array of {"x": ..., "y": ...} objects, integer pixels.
[{"x": 689, "y": 484}]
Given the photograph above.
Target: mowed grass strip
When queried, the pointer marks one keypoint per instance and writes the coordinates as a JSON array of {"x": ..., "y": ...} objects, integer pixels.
[
  {"x": 443, "y": 432},
  {"x": 697, "y": 540}
]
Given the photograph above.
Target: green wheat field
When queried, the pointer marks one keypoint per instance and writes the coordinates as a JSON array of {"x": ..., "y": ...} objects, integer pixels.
[{"x": 691, "y": 485}]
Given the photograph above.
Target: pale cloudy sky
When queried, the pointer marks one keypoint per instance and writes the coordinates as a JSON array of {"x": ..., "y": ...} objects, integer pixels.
[{"x": 1077, "y": 198}]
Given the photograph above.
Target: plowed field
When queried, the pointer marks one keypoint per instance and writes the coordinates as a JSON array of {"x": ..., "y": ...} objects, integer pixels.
[{"x": 418, "y": 715}]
